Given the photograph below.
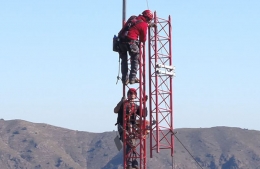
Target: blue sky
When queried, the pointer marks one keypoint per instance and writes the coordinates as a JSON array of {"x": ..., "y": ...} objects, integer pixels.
[{"x": 57, "y": 65}]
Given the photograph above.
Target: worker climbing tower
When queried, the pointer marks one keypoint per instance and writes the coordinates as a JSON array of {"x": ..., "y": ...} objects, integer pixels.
[
  {"x": 160, "y": 108},
  {"x": 134, "y": 146}
]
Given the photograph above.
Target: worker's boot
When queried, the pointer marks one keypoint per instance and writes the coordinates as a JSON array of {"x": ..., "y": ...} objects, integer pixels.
[
  {"x": 129, "y": 167},
  {"x": 135, "y": 165},
  {"x": 126, "y": 82},
  {"x": 125, "y": 79},
  {"x": 134, "y": 80}
]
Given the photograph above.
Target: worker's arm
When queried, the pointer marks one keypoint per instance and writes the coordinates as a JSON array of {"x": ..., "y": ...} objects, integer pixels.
[
  {"x": 144, "y": 112},
  {"x": 152, "y": 24},
  {"x": 142, "y": 28},
  {"x": 117, "y": 108},
  {"x": 145, "y": 109}
]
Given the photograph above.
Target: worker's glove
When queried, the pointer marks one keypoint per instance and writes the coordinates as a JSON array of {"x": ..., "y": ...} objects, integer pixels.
[
  {"x": 145, "y": 98},
  {"x": 123, "y": 99},
  {"x": 152, "y": 24}
]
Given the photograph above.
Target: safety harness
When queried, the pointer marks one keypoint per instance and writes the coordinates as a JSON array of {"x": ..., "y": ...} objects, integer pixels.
[
  {"x": 130, "y": 108},
  {"x": 132, "y": 21}
]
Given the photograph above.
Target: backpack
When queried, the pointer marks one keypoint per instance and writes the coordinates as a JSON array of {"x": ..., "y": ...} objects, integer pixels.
[
  {"x": 132, "y": 21},
  {"x": 124, "y": 31}
]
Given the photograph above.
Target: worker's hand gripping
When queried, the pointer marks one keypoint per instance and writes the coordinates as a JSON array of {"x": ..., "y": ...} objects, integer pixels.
[
  {"x": 145, "y": 98},
  {"x": 152, "y": 24},
  {"x": 123, "y": 99}
]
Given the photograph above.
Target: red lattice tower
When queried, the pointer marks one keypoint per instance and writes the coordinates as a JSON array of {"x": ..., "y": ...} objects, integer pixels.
[
  {"x": 160, "y": 97},
  {"x": 161, "y": 73}
]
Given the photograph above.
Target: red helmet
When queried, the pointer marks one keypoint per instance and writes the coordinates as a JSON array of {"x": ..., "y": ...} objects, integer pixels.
[
  {"x": 131, "y": 90},
  {"x": 148, "y": 14}
]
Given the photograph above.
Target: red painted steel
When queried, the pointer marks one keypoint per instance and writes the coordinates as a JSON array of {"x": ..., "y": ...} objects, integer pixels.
[
  {"x": 160, "y": 86},
  {"x": 160, "y": 98}
]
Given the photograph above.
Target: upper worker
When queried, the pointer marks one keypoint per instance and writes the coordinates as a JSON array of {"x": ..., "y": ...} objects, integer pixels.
[{"x": 133, "y": 31}]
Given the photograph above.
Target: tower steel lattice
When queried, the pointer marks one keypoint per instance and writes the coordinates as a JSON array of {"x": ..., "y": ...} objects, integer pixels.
[
  {"x": 161, "y": 73},
  {"x": 160, "y": 98}
]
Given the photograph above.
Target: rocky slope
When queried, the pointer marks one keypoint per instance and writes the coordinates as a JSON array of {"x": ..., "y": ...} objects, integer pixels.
[{"x": 26, "y": 145}]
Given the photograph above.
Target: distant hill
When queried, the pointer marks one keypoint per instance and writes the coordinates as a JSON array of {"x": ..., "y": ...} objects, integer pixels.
[{"x": 26, "y": 145}]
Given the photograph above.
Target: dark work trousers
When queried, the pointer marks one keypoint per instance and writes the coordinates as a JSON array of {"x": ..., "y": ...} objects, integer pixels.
[
  {"x": 128, "y": 147},
  {"x": 133, "y": 49}
]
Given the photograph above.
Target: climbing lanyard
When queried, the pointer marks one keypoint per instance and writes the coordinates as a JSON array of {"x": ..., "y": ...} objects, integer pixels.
[{"x": 118, "y": 69}]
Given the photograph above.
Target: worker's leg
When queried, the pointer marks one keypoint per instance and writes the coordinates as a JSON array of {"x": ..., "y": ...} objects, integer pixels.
[
  {"x": 124, "y": 64},
  {"x": 134, "y": 53},
  {"x": 128, "y": 151},
  {"x": 120, "y": 131},
  {"x": 135, "y": 164}
]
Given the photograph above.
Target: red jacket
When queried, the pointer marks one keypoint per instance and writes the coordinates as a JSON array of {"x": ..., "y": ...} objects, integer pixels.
[{"x": 139, "y": 29}]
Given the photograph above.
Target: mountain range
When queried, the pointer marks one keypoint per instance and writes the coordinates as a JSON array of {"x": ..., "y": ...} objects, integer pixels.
[{"x": 27, "y": 145}]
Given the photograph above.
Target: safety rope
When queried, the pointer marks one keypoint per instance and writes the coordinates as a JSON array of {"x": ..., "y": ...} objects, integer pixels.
[
  {"x": 147, "y": 4},
  {"x": 118, "y": 77},
  {"x": 188, "y": 151}
]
